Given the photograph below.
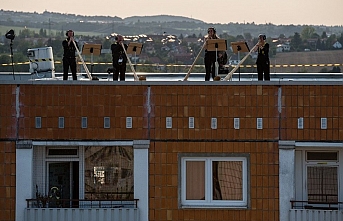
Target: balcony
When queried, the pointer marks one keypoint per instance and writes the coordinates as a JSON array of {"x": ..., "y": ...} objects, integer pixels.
[
  {"x": 316, "y": 211},
  {"x": 81, "y": 210}
]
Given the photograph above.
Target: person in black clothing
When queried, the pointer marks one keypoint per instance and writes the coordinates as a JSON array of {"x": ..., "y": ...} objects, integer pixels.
[
  {"x": 222, "y": 60},
  {"x": 69, "y": 55},
  {"x": 262, "y": 62},
  {"x": 210, "y": 56},
  {"x": 119, "y": 58}
]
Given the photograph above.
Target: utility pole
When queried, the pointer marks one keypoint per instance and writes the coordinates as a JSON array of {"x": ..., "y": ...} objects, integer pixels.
[{"x": 49, "y": 28}]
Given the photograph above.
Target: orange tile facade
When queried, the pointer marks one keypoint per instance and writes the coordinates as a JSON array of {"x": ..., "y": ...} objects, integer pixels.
[
  {"x": 163, "y": 181},
  {"x": 7, "y": 181},
  {"x": 149, "y": 105}
]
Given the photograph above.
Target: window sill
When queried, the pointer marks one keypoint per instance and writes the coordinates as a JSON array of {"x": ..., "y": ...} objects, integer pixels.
[{"x": 214, "y": 207}]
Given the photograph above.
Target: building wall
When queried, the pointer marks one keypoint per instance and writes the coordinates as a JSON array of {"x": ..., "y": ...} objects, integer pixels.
[
  {"x": 7, "y": 181},
  {"x": 7, "y": 152},
  {"x": 312, "y": 102},
  {"x": 163, "y": 181},
  {"x": 280, "y": 105}
]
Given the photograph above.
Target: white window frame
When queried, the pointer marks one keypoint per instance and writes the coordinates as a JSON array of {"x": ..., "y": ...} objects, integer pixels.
[
  {"x": 292, "y": 172},
  {"x": 302, "y": 164},
  {"x": 25, "y": 170},
  {"x": 209, "y": 203}
]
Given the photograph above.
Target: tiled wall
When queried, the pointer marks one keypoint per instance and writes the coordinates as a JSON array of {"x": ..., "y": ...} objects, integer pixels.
[
  {"x": 148, "y": 107},
  {"x": 7, "y": 152},
  {"x": 279, "y": 106},
  {"x": 221, "y": 102},
  {"x": 312, "y": 103},
  {"x": 7, "y": 181},
  {"x": 163, "y": 181},
  {"x": 74, "y": 102},
  {"x": 7, "y": 111}
]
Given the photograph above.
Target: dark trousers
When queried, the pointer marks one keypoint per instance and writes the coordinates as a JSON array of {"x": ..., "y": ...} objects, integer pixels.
[
  {"x": 210, "y": 67},
  {"x": 69, "y": 62},
  {"x": 263, "y": 68},
  {"x": 119, "y": 69}
]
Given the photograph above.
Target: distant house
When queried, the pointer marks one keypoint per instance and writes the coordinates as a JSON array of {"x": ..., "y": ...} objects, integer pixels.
[
  {"x": 165, "y": 48},
  {"x": 186, "y": 58},
  {"x": 149, "y": 49},
  {"x": 283, "y": 47},
  {"x": 156, "y": 37},
  {"x": 337, "y": 45},
  {"x": 233, "y": 60},
  {"x": 190, "y": 41},
  {"x": 312, "y": 42}
]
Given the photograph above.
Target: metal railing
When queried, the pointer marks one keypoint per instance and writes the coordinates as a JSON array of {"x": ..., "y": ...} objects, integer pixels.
[
  {"x": 316, "y": 205},
  {"x": 81, "y": 203},
  {"x": 116, "y": 195}
]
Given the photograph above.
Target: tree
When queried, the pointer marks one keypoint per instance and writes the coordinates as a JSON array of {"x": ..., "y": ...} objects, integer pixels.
[
  {"x": 340, "y": 39},
  {"x": 42, "y": 32},
  {"x": 247, "y": 36},
  {"x": 296, "y": 42},
  {"x": 240, "y": 38},
  {"x": 5, "y": 59},
  {"x": 315, "y": 35},
  {"x": 324, "y": 35},
  {"x": 281, "y": 36},
  {"x": 307, "y": 32},
  {"x": 319, "y": 44},
  {"x": 26, "y": 33}
]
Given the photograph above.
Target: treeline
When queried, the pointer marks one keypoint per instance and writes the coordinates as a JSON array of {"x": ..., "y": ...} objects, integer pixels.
[{"x": 25, "y": 39}]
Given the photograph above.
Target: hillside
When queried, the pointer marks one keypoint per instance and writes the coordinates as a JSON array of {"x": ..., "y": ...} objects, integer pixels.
[
  {"x": 104, "y": 25},
  {"x": 161, "y": 18},
  {"x": 311, "y": 57}
]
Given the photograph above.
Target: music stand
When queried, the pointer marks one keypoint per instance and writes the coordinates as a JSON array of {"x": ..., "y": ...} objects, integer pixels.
[
  {"x": 216, "y": 45},
  {"x": 91, "y": 49},
  {"x": 134, "y": 48},
  {"x": 237, "y": 47}
]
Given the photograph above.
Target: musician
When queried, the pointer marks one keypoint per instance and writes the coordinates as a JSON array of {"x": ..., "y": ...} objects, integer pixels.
[
  {"x": 69, "y": 59},
  {"x": 222, "y": 60},
  {"x": 262, "y": 62},
  {"x": 210, "y": 56},
  {"x": 119, "y": 58}
]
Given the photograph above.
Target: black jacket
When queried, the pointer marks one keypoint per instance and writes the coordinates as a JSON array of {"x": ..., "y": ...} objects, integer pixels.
[
  {"x": 263, "y": 54},
  {"x": 69, "y": 51},
  {"x": 118, "y": 52}
]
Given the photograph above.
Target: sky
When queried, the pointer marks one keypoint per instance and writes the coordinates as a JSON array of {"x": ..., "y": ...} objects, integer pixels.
[{"x": 278, "y": 12}]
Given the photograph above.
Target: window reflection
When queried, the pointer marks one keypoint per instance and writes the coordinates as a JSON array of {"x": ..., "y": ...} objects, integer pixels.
[{"x": 109, "y": 172}]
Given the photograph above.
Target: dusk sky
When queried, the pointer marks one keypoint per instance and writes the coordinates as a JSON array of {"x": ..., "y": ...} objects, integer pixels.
[{"x": 303, "y": 12}]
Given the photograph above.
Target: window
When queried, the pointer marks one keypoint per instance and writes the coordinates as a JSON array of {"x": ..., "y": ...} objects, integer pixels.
[
  {"x": 214, "y": 181},
  {"x": 322, "y": 184},
  {"x": 310, "y": 177},
  {"x": 108, "y": 172},
  {"x": 61, "y": 122},
  {"x": 52, "y": 152},
  {"x": 317, "y": 178},
  {"x": 322, "y": 156},
  {"x": 85, "y": 172},
  {"x": 322, "y": 176}
]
